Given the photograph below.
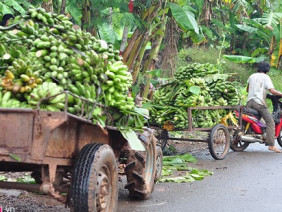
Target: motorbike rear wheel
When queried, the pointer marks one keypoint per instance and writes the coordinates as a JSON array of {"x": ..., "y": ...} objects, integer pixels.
[
  {"x": 236, "y": 144},
  {"x": 279, "y": 138}
]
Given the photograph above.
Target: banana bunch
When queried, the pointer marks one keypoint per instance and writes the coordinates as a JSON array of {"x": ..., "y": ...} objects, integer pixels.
[
  {"x": 59, "y": 22},
  {"x": 44, "y": 93},
  {"x": 117, "y": 82},
  {"x": 165, "y": 115},
  {"x": 180, "y": 119},
  {"x": 20, "y": 78},
  {"x": 195, "y": 70},
  {"x": 187, "y": 98},
  {"x": 220, "y": 102},
  {"x": 7, "y": 100},
  {"x": 202, "y": 119},
  {"x": 166, "y": 94},
  {"x": 162, "y": 97},
  {"x": 224, "y": 89},
  {"x": 76, "y": 105}
]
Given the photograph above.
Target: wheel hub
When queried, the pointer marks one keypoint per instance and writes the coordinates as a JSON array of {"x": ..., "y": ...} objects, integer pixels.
[
  {"x": 158, "y": 165},
  {"x": 103, "y": 191}
]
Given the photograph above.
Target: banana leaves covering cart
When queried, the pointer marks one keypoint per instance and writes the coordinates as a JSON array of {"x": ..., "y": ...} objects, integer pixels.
[
  {"x": 219, "y": 135},
  {"x": 72, "y": 159}
]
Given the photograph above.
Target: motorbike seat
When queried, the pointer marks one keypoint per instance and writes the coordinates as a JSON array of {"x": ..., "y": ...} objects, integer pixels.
[{"x": 250, "y": 111}]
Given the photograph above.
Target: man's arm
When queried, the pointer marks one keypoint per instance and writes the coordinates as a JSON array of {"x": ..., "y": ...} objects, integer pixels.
[
  {"x": 247, "y": 89},
  {"x": 275, "y": 92}
]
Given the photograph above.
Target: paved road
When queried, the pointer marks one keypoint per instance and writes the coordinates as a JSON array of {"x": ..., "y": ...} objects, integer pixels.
[{"x": 244, "y": 181}]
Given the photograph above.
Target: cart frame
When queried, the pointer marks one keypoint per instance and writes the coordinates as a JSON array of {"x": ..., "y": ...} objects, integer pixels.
[{"x": 164, "y": 136}]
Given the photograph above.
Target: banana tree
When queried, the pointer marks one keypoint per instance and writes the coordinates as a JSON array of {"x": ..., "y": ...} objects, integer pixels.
[{"x": 273, "y": 21}]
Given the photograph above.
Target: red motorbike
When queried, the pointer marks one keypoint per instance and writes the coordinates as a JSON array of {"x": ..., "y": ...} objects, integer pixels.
[{"x": 253, "y": 129}]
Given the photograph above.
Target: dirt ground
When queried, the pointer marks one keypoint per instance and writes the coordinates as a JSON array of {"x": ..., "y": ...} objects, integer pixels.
[{"x": 18, "y": 200}]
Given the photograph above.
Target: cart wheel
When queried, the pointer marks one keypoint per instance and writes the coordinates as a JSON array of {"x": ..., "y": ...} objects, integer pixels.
[
  {"x": 141, "y": 168},
  {"x": 219, "y": 142},
  {"x": 279, "y": 138},
  {"x": 94, "y": 181},
  {"x": 159, "y": 163},
  {"x": 162, "y": 138}
]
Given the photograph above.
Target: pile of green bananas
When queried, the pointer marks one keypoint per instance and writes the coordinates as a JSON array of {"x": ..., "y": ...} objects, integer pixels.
[
  {"x": 161, "y": 115},
  {"x": 194, "y": 70},
  {"x": 43, "y": 47},
  {"x": 186, "y": 98},
  {"x": 185, "y": 91},
  {"x": 224, "y": 89}
]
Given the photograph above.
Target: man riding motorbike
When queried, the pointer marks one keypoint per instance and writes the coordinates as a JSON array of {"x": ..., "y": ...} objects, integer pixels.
[{"x": 258, "y": 85}]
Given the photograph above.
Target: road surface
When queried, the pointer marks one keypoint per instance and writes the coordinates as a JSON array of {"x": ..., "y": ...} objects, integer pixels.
[
  {"x": 248, "y": 181},
  {"x": 243, "y": 181}
]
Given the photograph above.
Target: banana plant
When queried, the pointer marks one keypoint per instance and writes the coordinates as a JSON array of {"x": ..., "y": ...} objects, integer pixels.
[{"x": 273, "y": 21}]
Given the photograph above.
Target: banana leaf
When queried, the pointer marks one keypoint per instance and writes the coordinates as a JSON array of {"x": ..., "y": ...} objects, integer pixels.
[
  {"x": 214, "y": 77},
  {"x": 246, "y": 28},
  {"x": 242, "y": 59},
  {"x": 184, "y": 18},
  {"x": 195, "y": 90},
  {"x": 182, "y": 179}
]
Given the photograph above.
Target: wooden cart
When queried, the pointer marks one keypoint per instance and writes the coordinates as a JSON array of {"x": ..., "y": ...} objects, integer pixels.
[
  {"x": 72, "y": 159},
  {"x": 219, "y": 136}
]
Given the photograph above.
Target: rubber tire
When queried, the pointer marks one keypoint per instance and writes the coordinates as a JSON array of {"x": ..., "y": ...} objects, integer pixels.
[
  {"x": 141, "y": 168},
  {"x": 95, "y": 161},
  {"x": 279, "y": 138},
  {"x": 212, "y": 135},
  {"x": 159, "y": 163},
  {"x": 241, "y": 145}
]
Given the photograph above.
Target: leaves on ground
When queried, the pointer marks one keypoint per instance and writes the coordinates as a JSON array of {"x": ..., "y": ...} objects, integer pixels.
[
  {"x": 177, "y": 165},
  {"x": 3, "y": 178},
  {"x": 26, "y": 179}
]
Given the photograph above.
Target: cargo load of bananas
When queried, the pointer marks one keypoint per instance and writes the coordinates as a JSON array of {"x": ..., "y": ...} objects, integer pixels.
[
  {"x": 194, "y": 70},
  {"x": 42, "y": 47},
  {"x": 195, "y": 85}
]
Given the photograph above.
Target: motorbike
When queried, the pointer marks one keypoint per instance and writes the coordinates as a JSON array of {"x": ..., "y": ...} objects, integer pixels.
[{"x": 253, "y": 129}]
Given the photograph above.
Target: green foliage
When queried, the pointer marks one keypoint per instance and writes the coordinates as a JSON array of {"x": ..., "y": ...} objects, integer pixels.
[
  {"x": 276, "y": 76},
  {"x": 13, "y": 7},
  {"x": 184, "y": 18},
  {"x": 74, "y": 7}
]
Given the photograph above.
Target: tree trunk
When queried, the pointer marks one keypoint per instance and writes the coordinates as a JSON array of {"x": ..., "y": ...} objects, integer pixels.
[
  {"x": 48, "y": 6},
  {"x": 63, "y": 7},
  {"x": 86, "y": 14},
  {"x": 140, "y": 38},
  {"x": 124, "y": 39},
  {"x": 150, "y": 63},
  {"x": 169, "y": 54}
]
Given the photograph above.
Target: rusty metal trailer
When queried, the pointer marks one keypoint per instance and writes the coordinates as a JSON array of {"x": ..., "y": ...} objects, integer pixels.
[
  {"x": 74, "y": 160},
  {"x": 219, "y": 135}
]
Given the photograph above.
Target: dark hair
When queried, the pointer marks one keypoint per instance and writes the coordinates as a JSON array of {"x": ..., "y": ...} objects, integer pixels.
[
  {"x": 5, "y": 19},
  {"x": 263, "y": 67}
]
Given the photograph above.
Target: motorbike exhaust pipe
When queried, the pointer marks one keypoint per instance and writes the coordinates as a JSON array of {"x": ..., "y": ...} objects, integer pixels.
[{"x": 250, "y": 139}]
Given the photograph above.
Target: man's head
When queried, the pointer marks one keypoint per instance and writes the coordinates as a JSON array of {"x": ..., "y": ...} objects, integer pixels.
[{"x": 263, "y": 67}]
